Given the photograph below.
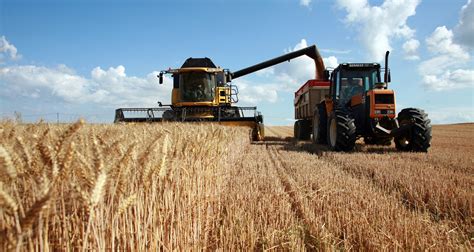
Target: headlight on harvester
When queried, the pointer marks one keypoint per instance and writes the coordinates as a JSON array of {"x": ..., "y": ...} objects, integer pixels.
[
  {"x": 390, "y": 112},
  {"x": 378, "y": 112}
]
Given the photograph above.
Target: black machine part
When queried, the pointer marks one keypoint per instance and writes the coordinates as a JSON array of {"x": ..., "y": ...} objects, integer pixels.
[{"x": 186, "y": 114}]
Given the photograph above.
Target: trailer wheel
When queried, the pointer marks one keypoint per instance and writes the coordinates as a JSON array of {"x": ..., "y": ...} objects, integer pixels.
[
  {"x": 341, "y": 131},
  {"x": 320, "y": 121},
  {"x": 302, "y": 130},
  {"x": 418, "y": 138}
]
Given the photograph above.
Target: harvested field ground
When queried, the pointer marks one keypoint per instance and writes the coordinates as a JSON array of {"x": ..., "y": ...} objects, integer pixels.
[{"x": 194, "y": 187}]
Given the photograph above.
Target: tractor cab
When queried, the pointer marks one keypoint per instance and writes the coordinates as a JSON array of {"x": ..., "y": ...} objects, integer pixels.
[
  {"x": 351, "y": 79},
  {"x": 358, "y": 87}
]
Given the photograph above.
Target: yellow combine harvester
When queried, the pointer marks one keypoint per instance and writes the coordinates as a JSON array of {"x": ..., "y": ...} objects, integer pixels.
[{"x": 201, "y": 92}]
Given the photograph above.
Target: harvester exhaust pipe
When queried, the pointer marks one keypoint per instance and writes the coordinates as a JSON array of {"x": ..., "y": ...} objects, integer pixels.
[{"x": 387, "y": 71}]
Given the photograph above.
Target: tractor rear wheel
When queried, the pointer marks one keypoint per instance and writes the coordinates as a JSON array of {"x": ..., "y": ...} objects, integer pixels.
[
  {"x": 341, "y": 131},
  {"x": 302, "y": 130},
  {"x": 418, "y": 138},
  {"x": 320, "y": 121}
]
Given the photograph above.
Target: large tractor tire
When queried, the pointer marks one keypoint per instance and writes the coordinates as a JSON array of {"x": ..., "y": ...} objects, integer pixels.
[
  {"x": 320, "y": 121},
  {"x": 418, "y": 138},
  {"x": 302, "y": 130},
  {"x": 386, "y": 141},
  {"x": 341, "y": 131}
]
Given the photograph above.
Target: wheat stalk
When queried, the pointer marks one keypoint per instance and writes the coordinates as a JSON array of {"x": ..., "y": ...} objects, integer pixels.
[
  {"x": 69, "y": 132},
  {"x": 98, "y": 190},
  {"x": 7, "y": 200},
  {"x": 164, "y": 152},
  {"x": 7, "y": 163},
  {"x": 35, "y": 210},
  {"x": 126, "y": 203},
  {"x": 26, "y": 155}
]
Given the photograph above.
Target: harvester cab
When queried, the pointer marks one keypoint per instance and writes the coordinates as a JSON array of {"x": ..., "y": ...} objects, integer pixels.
[
  {"x": 200, "y": 83},
  {"x": 202, "y": 92}
]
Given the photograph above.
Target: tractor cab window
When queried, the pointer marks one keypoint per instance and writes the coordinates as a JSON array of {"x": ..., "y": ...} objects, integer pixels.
[
  {"x": 355, "y": 81},
  {"x": 197, "y": 86}
]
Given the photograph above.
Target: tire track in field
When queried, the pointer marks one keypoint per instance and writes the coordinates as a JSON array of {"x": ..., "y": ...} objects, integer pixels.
[
  {"x": 275, "y": 157},
  {"x": 403, "y": 192}
]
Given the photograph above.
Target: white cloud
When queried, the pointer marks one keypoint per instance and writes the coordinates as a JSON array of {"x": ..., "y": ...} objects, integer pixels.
[
  {"x": 109, "y": 88},
  {"x": 457, "y": 79},
  {"x": 410, "y": 48},
  {"x": 299, "y": 70},
  {"x": 441, "y": 42},
  {"x": 251, "y": 93},
  {"x": 446, "y": 70},
  {"x": 465, "y": 29},
  {"x": 379, "y": 25},
  {"x": 7, "y": 50},
  {"x": 330, "y": 62},
  {"x": 451, "y": 115},
  {"x": 305, "y": 2},
  {"x": 334, "y": 51}
]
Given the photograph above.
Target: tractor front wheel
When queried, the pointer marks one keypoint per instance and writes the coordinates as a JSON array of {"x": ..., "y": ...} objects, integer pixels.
[
  {"x": 341, "y": 131},
  {"x": 418, "y": 138}
]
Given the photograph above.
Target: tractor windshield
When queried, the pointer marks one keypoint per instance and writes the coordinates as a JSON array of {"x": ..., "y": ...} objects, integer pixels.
[
  {"x": 197, "y": 86},
  {"x": 355, "y": 81}
]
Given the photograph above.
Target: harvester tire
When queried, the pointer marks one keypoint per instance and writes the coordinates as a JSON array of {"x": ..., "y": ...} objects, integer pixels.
[
  {"x": 302, "y": 130},
  {"x": 418, "y": 138},
  {"x": 320, "y": 121},
  {"x": 341, "y": 130}
]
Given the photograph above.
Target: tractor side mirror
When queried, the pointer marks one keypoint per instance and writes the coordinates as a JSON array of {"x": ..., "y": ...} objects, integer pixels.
[{"x": 160, "y": 77}]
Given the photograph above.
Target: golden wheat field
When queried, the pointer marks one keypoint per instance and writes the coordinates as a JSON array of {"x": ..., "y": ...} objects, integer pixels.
[{"x": 184, "y": 187}]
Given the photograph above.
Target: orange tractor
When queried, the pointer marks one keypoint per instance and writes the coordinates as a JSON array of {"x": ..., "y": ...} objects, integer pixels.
[{"x": 352, "y": 101}]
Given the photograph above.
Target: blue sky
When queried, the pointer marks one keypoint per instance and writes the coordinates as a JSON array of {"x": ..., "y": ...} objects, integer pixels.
[{"x": 86, "y": 58}]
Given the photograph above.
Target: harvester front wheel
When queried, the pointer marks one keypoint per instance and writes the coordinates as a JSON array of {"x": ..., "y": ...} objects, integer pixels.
[
  {"x": 341, "y": 131},
  {"x": 302, "y": 130},
  {"x": 418, "y": 138},
  {"x": 320, "y": 121}
]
